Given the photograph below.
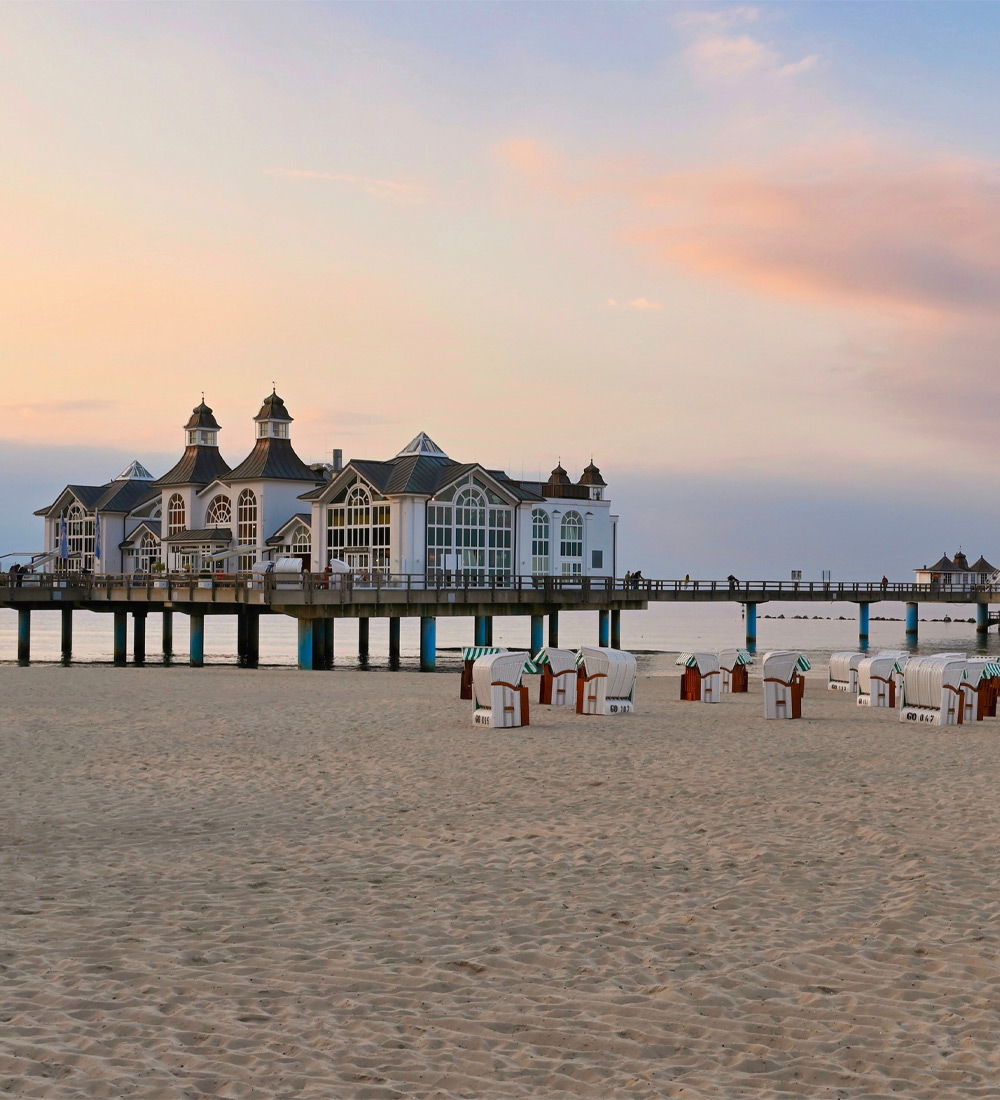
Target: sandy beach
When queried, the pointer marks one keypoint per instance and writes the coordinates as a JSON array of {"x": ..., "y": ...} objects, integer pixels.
[{"x": 278, "y": 884}]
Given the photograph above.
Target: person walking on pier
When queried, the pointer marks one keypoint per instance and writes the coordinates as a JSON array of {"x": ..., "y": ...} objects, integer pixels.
[{"x": 885, "y": 582}]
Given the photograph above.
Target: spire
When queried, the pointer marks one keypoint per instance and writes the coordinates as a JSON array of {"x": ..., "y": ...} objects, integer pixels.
[
  {"x": 422, "y": 444},
  {"x": 202, "y": 429}
]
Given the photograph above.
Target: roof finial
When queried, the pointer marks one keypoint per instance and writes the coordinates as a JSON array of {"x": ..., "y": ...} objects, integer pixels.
[
  {"x": 203, "y": 397},
  {"x": 274, "y": 390}
]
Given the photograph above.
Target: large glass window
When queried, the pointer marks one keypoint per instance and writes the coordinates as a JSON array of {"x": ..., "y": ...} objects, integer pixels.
[
  {"x": 146, "y": 554},
  {"x": 175, "y": 514},
  {"x": 302, "y": 542},
  {"x": 539, "y": 542},
  {"x": 471, "y": 537},
  {"x": 220, "y": 512},
  {"x": 571, "y": 543},
  {"x": 358, "y": 530},
  {"x": 79, "y": 537},
  {"x": 246, "y": 527}
]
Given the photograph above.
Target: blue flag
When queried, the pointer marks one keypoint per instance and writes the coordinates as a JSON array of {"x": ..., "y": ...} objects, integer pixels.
[
  {"x": 63, "y": 539},
  {"x": 97, "y": 537}
]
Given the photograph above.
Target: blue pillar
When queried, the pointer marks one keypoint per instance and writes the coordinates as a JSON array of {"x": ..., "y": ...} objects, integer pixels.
[
  {"x": 982, "y": 618},
  {"x": 363, "y": 633},
  {"x": 67, "y": 635},
  {"x": 168, "y": 635},
  {"x": 121, "y": 637},
  {"x": 751, "y": 614},
  {"x": 393, "y": 641},
  {"x": 554, "y": 629},
  {"x": 604, "y": 629},
  {"x": 23, "y": 636},
  {"x": 306, "y": 656},
  {"x": 197, "y": 646},
  {"x": 537, "y": 633},
  {"x": 912, "y": 610},
  {"x": 616, "y": 629},
  {"x": 863, "y": 611},
  {"x": 139, "y": 637},
  {"x": 479, "y": 633},
  {"x": 428, "y": 643}
]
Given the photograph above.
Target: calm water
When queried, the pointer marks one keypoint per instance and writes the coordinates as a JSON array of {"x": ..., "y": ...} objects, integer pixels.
[{"x": 663, "y": 629}]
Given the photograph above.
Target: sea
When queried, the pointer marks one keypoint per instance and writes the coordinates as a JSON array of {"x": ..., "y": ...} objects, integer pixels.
[{"x": 656, "y": 635}]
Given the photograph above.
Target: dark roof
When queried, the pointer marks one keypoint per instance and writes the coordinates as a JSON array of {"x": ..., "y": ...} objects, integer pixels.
[
  {"x": 273, "y": 459},
  {"x": 961, "y": 562},
  {"x": 201, "y": 417},
  {"x": 123, "y": 496},
  {"x": 299, "y": 517},
  {"x": 591, "y": 475},
  {"x": 197, "y": 466},
  {"x": 982, "y": 566},
  {"x": 207, "y": 534},
  {"x": 943, "y": 566},
  {"x": 558, "y": 476},
  {"x": 115, "y": 496},
  {"x": 150, "y": 525},
  {"x": 273, "y": 409}
]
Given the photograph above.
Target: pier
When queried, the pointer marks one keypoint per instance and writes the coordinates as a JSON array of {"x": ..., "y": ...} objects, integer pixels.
[{"x": 316, "y": 601}]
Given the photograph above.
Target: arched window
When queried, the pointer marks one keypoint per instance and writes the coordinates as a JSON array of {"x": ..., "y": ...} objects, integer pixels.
[
  {"x": 246, "y": 527},
  {"x": 79, "y": 538},
  {"x": 470, "y": 532},
  {"x": 302, "y": 541},
  {"x": 220, "y": 512},
  {"x": 175, "y": 514},
  {"x": 359, "y": 520},
  {"x": 539, "y": 541},
  {"x": 146, "y": 554},
  {"x": 571, "y": 543}
]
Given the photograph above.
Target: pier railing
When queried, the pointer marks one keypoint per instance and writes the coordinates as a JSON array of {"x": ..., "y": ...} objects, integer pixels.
[{"x": 100, "y": 585}]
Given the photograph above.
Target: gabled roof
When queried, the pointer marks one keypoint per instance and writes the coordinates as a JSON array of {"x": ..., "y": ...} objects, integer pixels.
[
  {"x": 300, "y": 519},
  {"x": 148, "y": 526},
  {"x": 197, "y": 466},
  {"x": 422, "y": 444},
  {"x": 115, "y": 496},
  {"x": 272, "y": 459}
]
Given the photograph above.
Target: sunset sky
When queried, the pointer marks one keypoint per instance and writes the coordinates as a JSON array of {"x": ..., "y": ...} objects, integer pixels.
[{"x": 748, "y": 257}]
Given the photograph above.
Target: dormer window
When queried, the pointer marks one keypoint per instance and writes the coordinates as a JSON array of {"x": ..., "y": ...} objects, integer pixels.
[
  {"x": 192, "y": 438},
  {"x": 210, "y": 439},
  {"x": 272, "y": 429}
]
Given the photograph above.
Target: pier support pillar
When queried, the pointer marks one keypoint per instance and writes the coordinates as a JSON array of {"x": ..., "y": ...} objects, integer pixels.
[
  {"x": 537, "y": 633},
  {"x": 616, "y": 629},
  {"x": 253, "y": 637},
  {"x": 912, "y": 620},
  {"x": 364, "y": 633},
  {"x": 554, "y": 629},
  {"x": 66, "y": 638},
  {"x": 479, "y": 632},
  {"x": 863, "y": 612},
  {"x": 306, "y": 645},
  {"x": 982, "y": 618},
  {"x": 241, "y": 637},
  {"x": 751, "y": 616},
  {"x": 168, "y": 635},
  {"x": 394, "y": 641},
  {"x": 197, "y": 646},
  {"x": 139, "y": 637},
  {"x": 121, "y": 637},
  {"x": 23, "y": 636},
  {"x": 489, "y": 630},
  {"x": 428, "y": 643},
  {"x": 604, "y": 629},
  {"x": 327, "y": 625}
]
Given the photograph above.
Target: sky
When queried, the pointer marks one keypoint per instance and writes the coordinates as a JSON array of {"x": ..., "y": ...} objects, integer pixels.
[{"x": 747, "y": 257}]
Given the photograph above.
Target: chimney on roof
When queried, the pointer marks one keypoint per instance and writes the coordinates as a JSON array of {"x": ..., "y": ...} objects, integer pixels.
[{"x": 338, "y": 460}]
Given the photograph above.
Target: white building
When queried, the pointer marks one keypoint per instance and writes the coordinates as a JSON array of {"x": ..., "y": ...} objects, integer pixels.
[
  {"x": 419, "y": 513},
  {"x": 955, "y": 574}
]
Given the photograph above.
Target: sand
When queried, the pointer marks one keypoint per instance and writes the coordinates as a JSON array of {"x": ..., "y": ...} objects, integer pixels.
[{"x": 283, "y": 884}]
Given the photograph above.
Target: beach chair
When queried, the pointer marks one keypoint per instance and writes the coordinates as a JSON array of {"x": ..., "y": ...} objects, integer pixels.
[
  {"x": 557, "y": 687},
  {"x": 879, "y": 678},
  {"x": 701, "y": 680},
  {"x": 844, "y": 671},
  {"x": 784, "y": 684},
  {"x": 470, "y": 655},
  {"x": 733, "y": 666},
  {"x": 605, "y": 681},
  {"x": 499, "y": 699},
  {"x": 941, "y": 690}
]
